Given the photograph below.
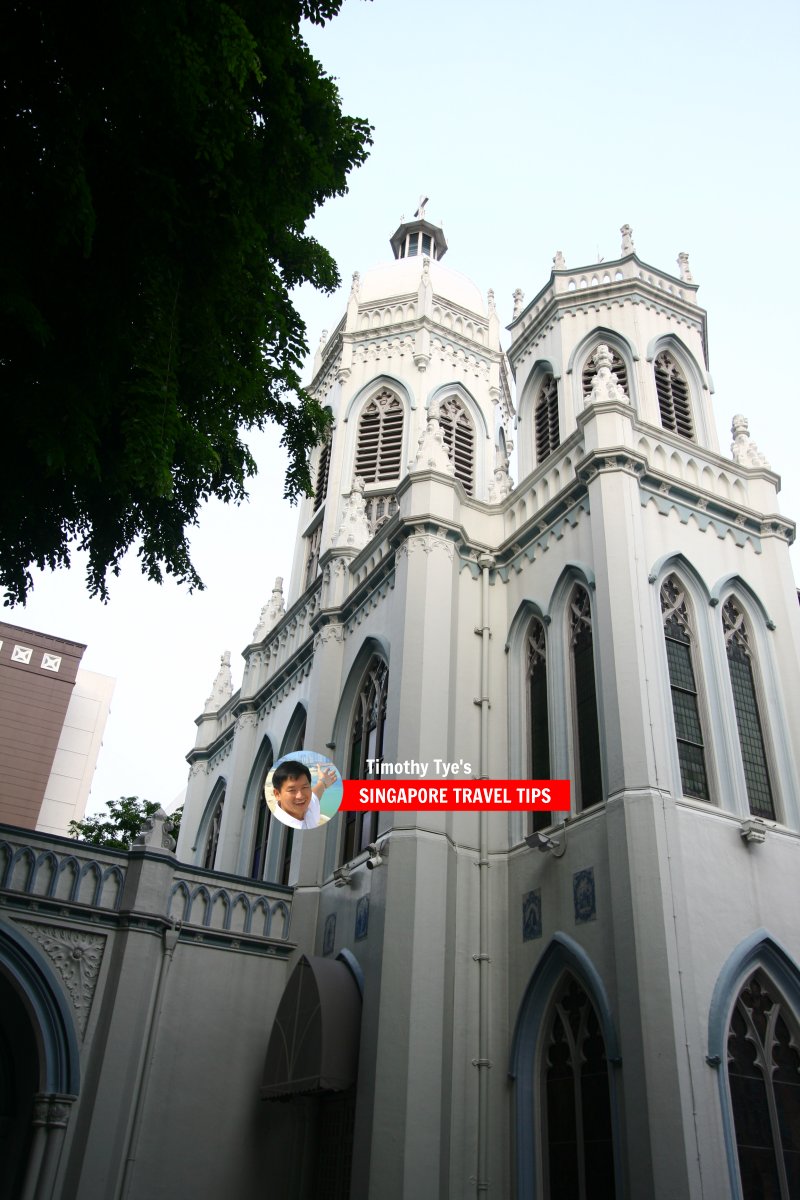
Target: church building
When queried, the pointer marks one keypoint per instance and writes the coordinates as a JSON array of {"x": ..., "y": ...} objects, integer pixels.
[{"x": 528, "y": 562}]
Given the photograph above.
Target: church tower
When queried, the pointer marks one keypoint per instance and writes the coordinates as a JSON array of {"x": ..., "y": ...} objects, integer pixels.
[{"x": 542, "y": 1000}]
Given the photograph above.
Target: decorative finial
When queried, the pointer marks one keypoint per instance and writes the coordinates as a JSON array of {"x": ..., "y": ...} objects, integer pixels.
[
  {"x": 605, "y": 385},
  {"x": 355, "y": 286},
  {"x": 683, "y": 267},
  {"x": 431, "y": 451},
  {"x": 490, "y": 301},
  {"x": 519, "y": 296},
  {"x": 222, "y": 688},
  {"x": 744, "y": 450},
  {"x": 420, "y": 213},
  {"x": 272, "y": 611},
  {"x": 323, "y": 337},
  {"x": 559, "y": 262},
  {"x": 354, "y": 530},
  {"x": 627, "y": 241}
]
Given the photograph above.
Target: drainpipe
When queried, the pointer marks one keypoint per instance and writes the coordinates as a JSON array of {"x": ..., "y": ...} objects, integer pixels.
[
  {"x": 170, "y": 941},
  {"x": 485, "y": 562}
]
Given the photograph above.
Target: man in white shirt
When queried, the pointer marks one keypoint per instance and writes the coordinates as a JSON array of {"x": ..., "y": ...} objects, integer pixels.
[{"x": 295, "y": 802}]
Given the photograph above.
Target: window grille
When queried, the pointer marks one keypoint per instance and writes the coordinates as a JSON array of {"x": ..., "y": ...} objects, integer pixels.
[
  {"x": 576, "y": 1100},
  {"x": 323, "y": 470},
  {"x": 379, "y": 507},
  {"x": 764, "y": 1078},
  {"x": 459, "y": 440},
  {"x": 617, "y": 366},
  {"x": 380, "y": 439},
  {"x": 683, "y": 687},
  {"x": 673, "y": 396},
  {"x": 546, "y": 419},
  {"x": 748, "y": 718},
  {"x": 366, "y": 745},
  {"x": 212, "y": 836},
  {"x": 587, "y": 729},
  {"x": 538, "y": 719}
]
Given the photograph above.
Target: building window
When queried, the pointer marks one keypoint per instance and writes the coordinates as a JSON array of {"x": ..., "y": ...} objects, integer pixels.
[
  {"x": 673, "y": 396},
  {"x": 380, "y": 439},
  {"x": 685, "y": 707},
  {"x": 366, "y": 752},
  {"x": 748, "y": 719},
  {"x": 258, "y": 857},
  {"x": 538, "y": 718},
  {"x": 587, "y": 732},
  {"x": 459, "y": 439},
  {"x": 323, "y": 470},
  {"x": 576, "y": 1101},
  {"x": 546, "y": 419},
  {"x": 212, "y": 835},
  {"x": 618, "y": 368},
  {"x": 314, "y": 540},
  {"x": 764, "y": 1079}
]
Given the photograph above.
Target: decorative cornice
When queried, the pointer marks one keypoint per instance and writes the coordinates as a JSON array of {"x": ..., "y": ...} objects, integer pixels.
[{"x": 424, "y": 542}]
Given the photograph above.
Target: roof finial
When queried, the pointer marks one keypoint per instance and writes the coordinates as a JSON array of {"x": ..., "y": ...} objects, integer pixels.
[
  {"x": 627, "y": 241},
  {"x": 683, "y": 267},
  {"x": 423, "y": 200}
]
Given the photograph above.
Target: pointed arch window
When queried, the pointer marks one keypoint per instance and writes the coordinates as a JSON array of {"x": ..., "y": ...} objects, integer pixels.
[
  {"x": 459, "y": 439},
  {"x": 323, "y": 471},
  {"x": 366, "y": 752},
  {"x": 748, "y": 718},
  {"x": 673, "y": 396},
  {"x": 212, "y": 834},
  {"x": 258, "y": 855},
  {"x": 380, "y": 438},
  {"x": 576, "y": 1100},
  {"x": 538, "y": 715},
  {"x": 683, "y": 687},
  {"x": 546, "y": 419},
  {"x": 618, "y": 368},
  {"x": 764, "y": 1079},
  {"x": 587, "y": 731}
]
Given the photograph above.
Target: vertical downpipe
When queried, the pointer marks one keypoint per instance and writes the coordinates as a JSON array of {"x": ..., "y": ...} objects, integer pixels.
[{"x": 486, "y": 562}]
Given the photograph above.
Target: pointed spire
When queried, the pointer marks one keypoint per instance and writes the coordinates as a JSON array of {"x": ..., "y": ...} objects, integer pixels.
[
  {"x": 272, "y": 611},
  {"x": 605, "y": 385},
  {"x": 683, "y": 267},
  {"x": 518, "y": 298},
  {"x": 222, "y": 688},
  {"x": 627, "y": 241},
  {"x": 431, "y": 451},
  {"x": 354, "y": 530},
  {"x": 743, "y": 449}
]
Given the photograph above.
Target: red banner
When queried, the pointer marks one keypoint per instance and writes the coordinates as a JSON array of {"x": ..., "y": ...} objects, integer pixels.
[{"x": 475, "y": 795}]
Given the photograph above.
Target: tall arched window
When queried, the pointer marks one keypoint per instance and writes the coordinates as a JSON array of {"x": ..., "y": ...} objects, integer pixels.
[
  {"x": 380, "y": 438},
  {"x": 764, "y": 1079},
  {"x": 587, "y": 731},
  {"x": 538, "y": 717},
  {"x": 258, "y": 856},
  {"x": 576, "y": 1100},
  {"x": 683, "y": 686},
  {"x": 748, "y": 718},
  {"x": 459, "y": 439},
  {"x": 366, "y": 752},
  {"x": 673, "y": 396},
  {"x": 617, "y": 366},
  {"x": 545, "y": 417},
  {"x": 212, "y": 834},
  {"x": 323, "y": 471}
]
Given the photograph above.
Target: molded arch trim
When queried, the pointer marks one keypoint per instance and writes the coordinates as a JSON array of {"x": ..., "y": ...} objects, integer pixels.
[
  {"x": 371, "y": 388},
  {"x": 611, "y": 337},
  {"x": 539, "y": 371},
  {"x": 29, "y": 971},
  {"x": 470, "y": 403},
  {"x": 734, "y": 585}
]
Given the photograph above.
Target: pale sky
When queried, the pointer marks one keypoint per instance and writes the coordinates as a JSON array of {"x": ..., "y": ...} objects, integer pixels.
[{"x": 532, "y": 128}]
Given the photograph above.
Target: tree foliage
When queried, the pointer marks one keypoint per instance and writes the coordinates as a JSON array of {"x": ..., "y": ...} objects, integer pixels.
[
  {"x": 160, "y": 163},
  {"x": 122, "y": 822}
]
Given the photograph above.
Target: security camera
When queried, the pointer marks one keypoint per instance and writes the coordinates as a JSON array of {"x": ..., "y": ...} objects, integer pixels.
[
  {"x": 546, "y": 844},
  {"x": 375, "y": 857}
]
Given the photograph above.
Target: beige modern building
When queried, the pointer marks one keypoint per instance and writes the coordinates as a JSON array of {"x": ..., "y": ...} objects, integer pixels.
[{"x": 439, "y": 1004}]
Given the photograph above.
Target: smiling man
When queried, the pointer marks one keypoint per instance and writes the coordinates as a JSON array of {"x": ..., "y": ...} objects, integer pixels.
[{"x": 295, "y": 802}]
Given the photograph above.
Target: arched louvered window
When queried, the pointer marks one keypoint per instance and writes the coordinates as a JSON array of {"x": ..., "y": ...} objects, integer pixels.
[
  {"x": 576, "y": 1100},
  {"x": 212, "y": 834},
  {"x": 673, "y": 396},
  {"x": 546, "y": 419},
  {"x": 459, "y": 438},
  {"x": 538, "y": 716},
  {"x": 587, "y": 731},
  {"x": 380, "y": 438},
  {"x": 323, "y": 470},
  {"x": 258, "y": 856},
  {"x": 748, "y": 718},
  {"x": 366, "y": 753},
  {"x": 618, "y": 368},
  {"x": 683, "y": 686},
  {"x": 764, "y": 1079}
]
